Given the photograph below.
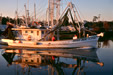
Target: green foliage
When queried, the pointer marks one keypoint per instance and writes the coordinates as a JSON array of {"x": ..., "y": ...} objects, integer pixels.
[
  {"x": 4, "y": 20},
  {"x": 11, "y": 20}
]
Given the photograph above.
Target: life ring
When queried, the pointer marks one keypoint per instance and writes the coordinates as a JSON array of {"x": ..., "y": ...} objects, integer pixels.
[{"x": 29, "y": 38}]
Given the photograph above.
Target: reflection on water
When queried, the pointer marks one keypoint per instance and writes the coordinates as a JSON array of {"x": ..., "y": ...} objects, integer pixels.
[
  {"x": 105, "y": 44},
  {"x": 105, "y": 41},
  {"x": 51, "y": 62}
]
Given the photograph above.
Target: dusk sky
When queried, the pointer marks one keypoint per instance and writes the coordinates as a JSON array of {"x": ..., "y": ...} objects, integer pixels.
[{"x": 87, "y": 8}]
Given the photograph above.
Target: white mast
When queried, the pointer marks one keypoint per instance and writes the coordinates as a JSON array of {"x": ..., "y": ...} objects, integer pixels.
[
  {"x": 48, "y": 12},
  {"x": 17, "y": 14},
  {"x": 28, "y": 5},
  {"x": 57, "y": 15},
  {"x": 52, "y": 12},
  {"x": 28, "y": 19},
  {"x": 58, "y": 9},
  {"x": 34, "y": 12},
  {"x": 26, "y": 15}
]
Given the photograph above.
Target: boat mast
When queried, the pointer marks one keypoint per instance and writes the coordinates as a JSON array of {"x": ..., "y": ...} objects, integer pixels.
[
  {"x": 48, "y": 12},
  {"x": 75, "y": 16},
  {"x": 57, "y": 15},
  {"x": 52, "y": 12},
  {"x": 58, "y": 9},
  {"x": 34, "y": 12},
  {"x": 17, "y": 14},
  {"x": 28, "y": 18},
  {"x": 28, "y": 5},
  {"x": 26, "y": 15}
]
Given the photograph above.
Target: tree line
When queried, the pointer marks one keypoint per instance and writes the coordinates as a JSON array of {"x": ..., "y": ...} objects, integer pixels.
[{"x": 95, "y": 26}]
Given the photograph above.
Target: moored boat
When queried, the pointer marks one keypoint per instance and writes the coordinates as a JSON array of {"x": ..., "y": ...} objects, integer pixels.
[
  {"x": 40, "y": 37},
  {"x": 82, "y": 42}
]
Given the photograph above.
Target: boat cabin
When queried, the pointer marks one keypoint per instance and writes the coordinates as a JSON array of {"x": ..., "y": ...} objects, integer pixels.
[{"x": 31, "y": 34}]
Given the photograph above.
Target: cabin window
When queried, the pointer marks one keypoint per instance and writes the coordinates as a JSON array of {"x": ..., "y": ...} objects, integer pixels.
[
  {"x": 37, "y": 60},
  {"x": 26, "y": 60},
  {"x": 31, "y": 60},
  {"x": 31, "y": 31},
  {"x": 25, "y": 31},
  {"x": 42, "y": 32},
  {"x": 37, "y": 32}
]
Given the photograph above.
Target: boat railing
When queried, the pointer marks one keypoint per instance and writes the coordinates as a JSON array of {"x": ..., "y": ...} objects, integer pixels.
[{"x": 86, "y": 38}]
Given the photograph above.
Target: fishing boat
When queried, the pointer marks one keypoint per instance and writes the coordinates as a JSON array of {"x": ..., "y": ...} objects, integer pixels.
[
  {"x": 31, "y": 38},
  {"x": 39, "y": 37}
]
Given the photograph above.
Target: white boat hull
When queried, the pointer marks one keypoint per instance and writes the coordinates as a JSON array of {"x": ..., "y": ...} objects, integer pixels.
[{"x": 84, "y": 42}]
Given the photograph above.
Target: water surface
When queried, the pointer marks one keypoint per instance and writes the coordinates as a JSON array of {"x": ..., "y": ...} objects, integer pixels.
[{"x": 58, "y": 61}]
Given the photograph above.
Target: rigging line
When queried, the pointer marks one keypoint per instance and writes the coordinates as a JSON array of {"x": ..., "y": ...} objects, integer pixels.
[
  {"x": 42, "y": 15},
  {"x": 42, "y": 10},
  {"x": 21, "y": 11},
  {"x": 39, "y": 5},
  {"x": 79, "y": 11},
  {"x": 75, "y": 10},
  {"x": 36, "y": 10},
  {"x": 38, "y": 13}
]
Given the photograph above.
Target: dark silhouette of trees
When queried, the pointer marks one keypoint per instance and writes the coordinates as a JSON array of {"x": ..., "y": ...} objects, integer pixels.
[
  {"x": 106, "y": 26},
  {"x": 7, "y": 19},
  {"x": 100, "y": 26}
]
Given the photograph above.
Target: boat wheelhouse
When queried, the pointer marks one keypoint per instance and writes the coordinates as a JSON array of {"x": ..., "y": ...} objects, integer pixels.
[{"x": 29, "y": 34}]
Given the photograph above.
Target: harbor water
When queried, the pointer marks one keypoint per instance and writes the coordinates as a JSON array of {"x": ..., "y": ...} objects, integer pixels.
[{"x": 25, "y": 61}]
